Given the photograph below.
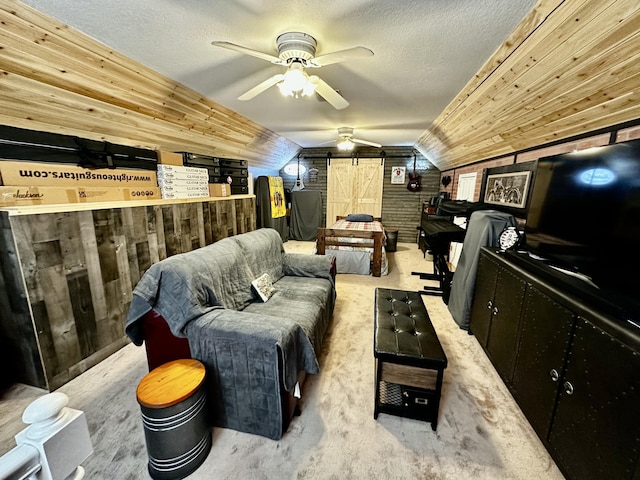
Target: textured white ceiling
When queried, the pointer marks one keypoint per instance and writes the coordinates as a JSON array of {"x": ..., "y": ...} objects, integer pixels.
[{"x": 425, "y": 52}]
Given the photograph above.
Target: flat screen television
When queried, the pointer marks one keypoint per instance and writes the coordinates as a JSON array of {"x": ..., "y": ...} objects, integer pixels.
[{"x": 584, "y": 217}]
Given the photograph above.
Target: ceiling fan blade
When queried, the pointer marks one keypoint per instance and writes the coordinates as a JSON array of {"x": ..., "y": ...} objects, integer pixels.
[
  {"x": 261, "y": 87},
  {"x": 327, "y": 143},
  {"x": 248, "y": 51},
  {"x": 340, "y": 56},
  {"x": 329, "y": 94},
  {"x": 366, "y": 142}
]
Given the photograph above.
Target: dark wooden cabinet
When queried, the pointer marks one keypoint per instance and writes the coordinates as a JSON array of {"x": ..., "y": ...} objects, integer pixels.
[
  {"x": 541, "y": 356},
  {"x": 503, "y": 332},
  {"x": 482, "y": 306},
  {"x": 495, "y": 315},
  {"x": 595, "y": 432},
  {"x": 573, "y": 369}
]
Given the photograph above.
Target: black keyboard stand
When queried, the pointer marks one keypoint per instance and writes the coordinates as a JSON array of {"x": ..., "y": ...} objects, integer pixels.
[
  {"x": 439, "y": 232},
  {"x": 441, "y": 274}
]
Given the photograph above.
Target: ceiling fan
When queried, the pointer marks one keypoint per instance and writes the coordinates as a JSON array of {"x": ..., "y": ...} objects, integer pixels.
[
  {"x": 296, "y": 51},
  {"x": 346, "y": 142}
]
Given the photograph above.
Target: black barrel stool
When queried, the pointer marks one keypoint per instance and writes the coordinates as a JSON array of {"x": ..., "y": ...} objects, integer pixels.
[
  {"x": 174, "y": 415},
  {"x": 410, "y": 361}
]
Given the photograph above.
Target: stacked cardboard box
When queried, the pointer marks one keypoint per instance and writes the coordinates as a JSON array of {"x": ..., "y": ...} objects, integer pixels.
[
  {"x": 41, "y": 183},
  {"x": 16, "y": 196},
  {"x": 182, "y": 182},
  {"x": 44, "y": 174},
  {"x": 169, "y": 158},
  {"x": 219, "y": 190}
]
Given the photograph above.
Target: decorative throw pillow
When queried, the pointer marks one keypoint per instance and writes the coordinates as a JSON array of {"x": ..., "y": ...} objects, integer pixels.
[
  {"x": 263, "y": 286},
  {"x": 359, "y": 217}
]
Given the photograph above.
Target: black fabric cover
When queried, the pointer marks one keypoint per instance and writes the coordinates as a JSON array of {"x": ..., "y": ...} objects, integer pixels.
[
  {"x": 484, "y": 229},
  {"x": 306, "y": 214},
  {"x": 455, "y": 208},
  {"x": 263, "y": 209}
]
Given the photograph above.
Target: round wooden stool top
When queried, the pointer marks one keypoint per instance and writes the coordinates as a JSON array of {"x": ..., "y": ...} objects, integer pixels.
[{"x": 170, "y": 383}]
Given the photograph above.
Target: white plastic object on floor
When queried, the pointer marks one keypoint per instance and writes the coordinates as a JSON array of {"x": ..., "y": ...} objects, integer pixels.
[{"x": 54, "y": 444}]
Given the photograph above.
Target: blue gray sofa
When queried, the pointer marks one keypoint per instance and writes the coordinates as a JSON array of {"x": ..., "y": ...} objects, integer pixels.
[{"x": 254, "y": 351}]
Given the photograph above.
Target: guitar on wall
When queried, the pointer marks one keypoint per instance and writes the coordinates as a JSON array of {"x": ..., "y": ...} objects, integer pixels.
[{"x": 414, "y": 178}]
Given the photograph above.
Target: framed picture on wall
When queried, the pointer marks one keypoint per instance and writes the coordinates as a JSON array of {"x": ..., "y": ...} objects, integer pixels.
[
  {"x": 507, "y": 187},
  {"x": 397, "y": 175}
]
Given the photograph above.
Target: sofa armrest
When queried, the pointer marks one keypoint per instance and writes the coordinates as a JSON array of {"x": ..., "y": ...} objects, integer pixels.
[
  {"x": 249, "y": 359},
  {"x": 216, "y": 331},
  {"x": 301, "y": 265}
]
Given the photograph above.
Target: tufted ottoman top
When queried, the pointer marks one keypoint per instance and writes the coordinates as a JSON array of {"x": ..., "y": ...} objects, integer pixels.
[{"x": 403, "y": 331}]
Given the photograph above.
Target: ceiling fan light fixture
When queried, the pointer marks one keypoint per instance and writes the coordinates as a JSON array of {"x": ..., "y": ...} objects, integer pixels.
[
  {"x": 309, "y": 88},
  {"x": 297, "y": 51},
  {"x": 345, "y": 145},
  {"x": 296, "y": 82}
]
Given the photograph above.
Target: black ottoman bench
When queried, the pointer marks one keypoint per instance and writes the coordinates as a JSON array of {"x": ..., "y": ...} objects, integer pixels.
[{"x": 410, "y": 361}]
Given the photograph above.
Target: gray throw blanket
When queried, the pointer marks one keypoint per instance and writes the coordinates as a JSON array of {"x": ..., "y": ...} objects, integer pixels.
[{"x": 202, "y": 295}]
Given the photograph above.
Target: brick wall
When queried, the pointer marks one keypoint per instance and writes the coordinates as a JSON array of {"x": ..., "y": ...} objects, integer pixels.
[{"x": 599, "y": 140}]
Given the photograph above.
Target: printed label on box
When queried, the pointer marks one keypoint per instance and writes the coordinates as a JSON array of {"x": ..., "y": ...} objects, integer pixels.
[{"x": 56, "y": 174}]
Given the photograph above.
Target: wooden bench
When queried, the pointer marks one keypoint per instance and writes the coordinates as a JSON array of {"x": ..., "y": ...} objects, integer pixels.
[{"x": 410, "y": 361}]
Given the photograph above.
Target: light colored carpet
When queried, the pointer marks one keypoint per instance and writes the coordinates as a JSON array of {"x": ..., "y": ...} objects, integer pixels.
[{"x": 481, "y": 434}]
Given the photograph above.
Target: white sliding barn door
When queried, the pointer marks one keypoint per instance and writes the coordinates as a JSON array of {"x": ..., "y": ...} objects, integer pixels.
[
  {"x": 340, "y": 188},
  {"x": 354, "y": 186},
  {"x": 369, "y": 178}
]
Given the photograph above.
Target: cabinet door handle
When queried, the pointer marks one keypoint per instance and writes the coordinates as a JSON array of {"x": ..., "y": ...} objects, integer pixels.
[
  {"x": 554, "y": 375},
  {"x": 568, "y": 388},
  {"x": 489, "y": 304},
  {"x": 495, "y": 310}
]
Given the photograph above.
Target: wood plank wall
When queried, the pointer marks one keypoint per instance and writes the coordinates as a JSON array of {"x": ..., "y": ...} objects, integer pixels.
[
  {"x": 401, "y": 208},
  {"x": 74, "y": 273},
  {"x": 569, "y": 68},
  {"x": 56, "y": 79}
]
